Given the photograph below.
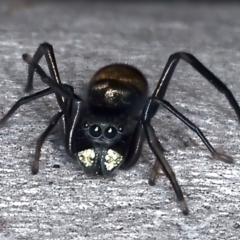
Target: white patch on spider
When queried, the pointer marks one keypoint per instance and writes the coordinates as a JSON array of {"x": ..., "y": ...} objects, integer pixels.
[
  {"x": 86, "y": 157},
  {"x": 113, "y": 159}
]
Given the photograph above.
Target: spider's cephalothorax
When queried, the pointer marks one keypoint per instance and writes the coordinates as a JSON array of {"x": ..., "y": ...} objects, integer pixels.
[{"x": 107, "y": 129}]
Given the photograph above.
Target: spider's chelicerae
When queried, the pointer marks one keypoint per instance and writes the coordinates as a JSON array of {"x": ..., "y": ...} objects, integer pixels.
[{"x": 107, "y": 130}]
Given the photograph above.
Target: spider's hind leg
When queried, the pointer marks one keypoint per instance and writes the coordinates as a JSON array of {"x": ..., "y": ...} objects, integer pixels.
[
  {"x": 45, "y": 49},
  {"x": 22, "y": 101},
  {"x": 163, "y": 84},
  {"x": 217, "y": 155},
  {"x": 199, "y": 67}
]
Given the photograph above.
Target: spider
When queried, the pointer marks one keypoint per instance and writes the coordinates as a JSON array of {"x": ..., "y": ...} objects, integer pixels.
[{"x": 106, "y": 131}]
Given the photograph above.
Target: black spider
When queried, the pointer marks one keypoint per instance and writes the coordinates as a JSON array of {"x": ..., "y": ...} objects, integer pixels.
[{"x": 107, "y": 130}]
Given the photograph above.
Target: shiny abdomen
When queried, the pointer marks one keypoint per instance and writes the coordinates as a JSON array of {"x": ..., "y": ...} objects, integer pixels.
[{"x": 118, "y": 87}]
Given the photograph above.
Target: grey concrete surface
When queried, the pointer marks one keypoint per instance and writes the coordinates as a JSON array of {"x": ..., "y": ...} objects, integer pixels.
[{"x": 63, "y": 203}]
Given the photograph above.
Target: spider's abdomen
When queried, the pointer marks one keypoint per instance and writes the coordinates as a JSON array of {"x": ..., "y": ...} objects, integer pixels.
[{"x": 118, "y": 87}]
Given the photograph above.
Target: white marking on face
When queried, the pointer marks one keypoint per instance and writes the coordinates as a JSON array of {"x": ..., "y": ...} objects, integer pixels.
[
  {"x": 86, "y": 157},
  {"x": 113, "y": 159}
]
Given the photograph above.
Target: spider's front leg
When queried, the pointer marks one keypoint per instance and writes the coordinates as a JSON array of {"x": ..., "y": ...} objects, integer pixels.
[
  {"x": 72, "y": 108},
  {"x": 157, "y": 149},
  {"x": 41, "y": 140},
  {"x": 147, "y": 114}
]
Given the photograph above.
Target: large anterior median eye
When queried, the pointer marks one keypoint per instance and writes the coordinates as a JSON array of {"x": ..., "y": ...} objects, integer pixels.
[
  {"x": 110, "y": 132},
  {"x": 95, "y": 131}
]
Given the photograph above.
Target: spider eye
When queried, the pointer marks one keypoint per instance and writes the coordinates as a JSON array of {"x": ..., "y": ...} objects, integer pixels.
[
  {"x": 120, "y": 129},
  {"x": 85, "y": 125},
  {"x": 110, "y": 132},
  {"x": 95, "y": 131}
]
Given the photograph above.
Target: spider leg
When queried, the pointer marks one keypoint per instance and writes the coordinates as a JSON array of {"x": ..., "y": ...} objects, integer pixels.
[
  {"x": 135, "y": 150},
  {"x": 70, "y": 99},
  {"x": 154, "y": 173},
  {"x": 42, "y": 138},
  {"x": 23, "y": 101},
  {"x": 60, "y": 89},
  {"x": 157, "y": 149},
  {"x": 220, "y": 156},
  {"x": 44, "y": 49},
  {"x": 195, "y": 63},
  {"x": 73, "y": 111}
]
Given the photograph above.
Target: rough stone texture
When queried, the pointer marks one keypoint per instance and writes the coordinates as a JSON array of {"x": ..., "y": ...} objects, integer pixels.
[{"x": 63, "y": 203}]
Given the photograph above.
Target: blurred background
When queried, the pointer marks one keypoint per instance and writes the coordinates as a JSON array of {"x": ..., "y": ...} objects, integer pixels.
[{"x": 63, "y": 203}]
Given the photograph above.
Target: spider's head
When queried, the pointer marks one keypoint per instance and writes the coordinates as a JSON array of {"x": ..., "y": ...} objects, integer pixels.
[{"x": 103, "y": 143}]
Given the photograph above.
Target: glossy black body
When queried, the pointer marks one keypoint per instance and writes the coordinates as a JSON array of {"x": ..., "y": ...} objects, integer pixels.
[
  {"x": 106, "y": 130},
  {"x": 116, "y": 96}
]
